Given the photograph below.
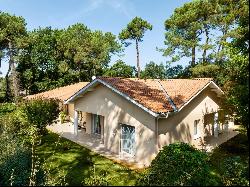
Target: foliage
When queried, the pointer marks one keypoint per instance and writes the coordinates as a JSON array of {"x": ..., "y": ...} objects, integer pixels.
[
  {"x": 120, "y": 69},
  {"x": 40, "y": 113},
  {"x": 12, "y": 29},
  {"x": 135, "y": 30},
  {"x": 153, "y": 71},
  {"x": 235, "y": 81},
  {"x": 51, "y": 57},
  {"x": 178, "y": 164},
  {"x": 62, "y": 116},
  {"x": 192, "y": 27},
  {"x": 20, "y": 132},
  {"x": 6, "y": 108},
  {"x": 97, "y": 180},
  {"x": 235, "y": 172},
  {"x": 2, "y": 89},
  {"x": 173, "y": 71},
  {"x": 208, "y": 70},
  {"x": 232, "y": 158}
]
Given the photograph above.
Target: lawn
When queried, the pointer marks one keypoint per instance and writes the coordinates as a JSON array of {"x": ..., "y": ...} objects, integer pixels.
[
  {"x": 66, "y": 158},
  {"x": 76, "y": 163}
]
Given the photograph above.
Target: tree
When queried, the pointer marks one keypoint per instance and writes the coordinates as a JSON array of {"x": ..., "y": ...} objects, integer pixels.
[
  {"x": 154, "y": 71},
  {"x": 12, "y": 28},
  {"x": 173, "y": 71},
  {"x": 39, "y": 60},
  {"x": 178, "y": 164},
  {"x": 201, "y": 26},
  {"x": 183, "y": 33},
  {"x": 51, "y": 57},
  {"x": 120, "y": 69},
  {"x": 235, "y": 81},
  {"x": 21, "y": 127},
  {"x": 135, "y": 31}
]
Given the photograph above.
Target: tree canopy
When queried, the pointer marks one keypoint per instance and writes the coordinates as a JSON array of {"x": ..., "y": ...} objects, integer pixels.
[
  {"x": 12, "y": 29},
  {"x": 53, "y": 58},
  {"x": 120, "y": 69},
  {"x": 135, "y": 30}
]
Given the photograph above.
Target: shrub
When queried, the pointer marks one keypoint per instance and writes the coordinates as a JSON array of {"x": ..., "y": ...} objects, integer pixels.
[
  {"x": 63, "y": 116},
  {"x": 235, "y": 172},
  {"x": 20, "y": 132},
  {"x": 178, "y": 164},
  {"x": 6, "y": 108},
  {"x": 40, "y": 113}
]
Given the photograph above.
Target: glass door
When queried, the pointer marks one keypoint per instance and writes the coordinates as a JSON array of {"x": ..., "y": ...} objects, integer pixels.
[
  {"x": 96, "y": 124},
  {"x": 128, "y": 139}
]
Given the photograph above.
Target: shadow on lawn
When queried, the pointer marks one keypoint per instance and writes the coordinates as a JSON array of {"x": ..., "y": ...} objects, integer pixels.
[
  {"x": 60, "y": 154},
  {"x": 78, "y": 162}
]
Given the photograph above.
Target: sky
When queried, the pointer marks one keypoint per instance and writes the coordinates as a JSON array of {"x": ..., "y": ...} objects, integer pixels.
[{"x": 105, "y": 15}]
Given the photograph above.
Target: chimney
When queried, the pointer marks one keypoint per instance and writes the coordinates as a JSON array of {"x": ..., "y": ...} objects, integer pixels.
[{"x": 93, "y": 77}]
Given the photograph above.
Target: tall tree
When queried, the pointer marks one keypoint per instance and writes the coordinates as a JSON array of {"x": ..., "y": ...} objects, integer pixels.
[
  {"x": 135, "y": 31},
  {"x": 183, "y": 33},
  {"x": 203, "y": 26},
  {"x": 12, "y": 28},
  {"x": 51, "y": 58}
]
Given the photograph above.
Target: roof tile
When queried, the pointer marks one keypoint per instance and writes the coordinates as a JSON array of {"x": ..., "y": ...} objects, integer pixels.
[{"x": 61, "y": 93}]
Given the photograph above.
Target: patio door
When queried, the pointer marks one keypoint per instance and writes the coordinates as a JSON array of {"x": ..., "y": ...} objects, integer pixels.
[
  {"x": 128, "y": 139},
  {"x": 96, "y": 124}
]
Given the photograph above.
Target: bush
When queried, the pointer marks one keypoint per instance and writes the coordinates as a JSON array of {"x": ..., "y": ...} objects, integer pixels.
[
  {"x": 235, "y": 172},
  {"x": 63, "y": 116},
  {"x": 6, "y": 108},
  {"x": 20, "y": 132},
  {"x": 40, "y": 113},
  {"x": 178, "y": 164}
]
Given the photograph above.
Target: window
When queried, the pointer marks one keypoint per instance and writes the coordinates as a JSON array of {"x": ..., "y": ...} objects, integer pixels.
[
  {"x": 128, "y": 139},
  {"x": 196, "y": 122}
]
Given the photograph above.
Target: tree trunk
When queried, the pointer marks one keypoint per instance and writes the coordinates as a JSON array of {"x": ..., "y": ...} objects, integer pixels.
[
  {"x": 137, "y": 55},
  {"x": 7, "y": 91},
  {"x": 193, "y": 56},
  {"x": 221, "y": 45},
  {"x": 12, "y": 69},
  {"x": 204, "y": 55}
]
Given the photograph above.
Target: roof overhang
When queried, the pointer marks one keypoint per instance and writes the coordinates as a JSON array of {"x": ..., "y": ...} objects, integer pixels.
[
  {"x": 98, "y": 81},
  {"x": 213, "y": 87}
]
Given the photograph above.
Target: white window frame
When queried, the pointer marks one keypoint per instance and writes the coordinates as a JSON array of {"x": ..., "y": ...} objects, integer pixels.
[
  {"x": 120, "y": 142},
  {"x": 196, "y": 123}
]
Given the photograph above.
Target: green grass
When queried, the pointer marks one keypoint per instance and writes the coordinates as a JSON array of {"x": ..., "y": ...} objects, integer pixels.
[{"x": 77, "y": 162}]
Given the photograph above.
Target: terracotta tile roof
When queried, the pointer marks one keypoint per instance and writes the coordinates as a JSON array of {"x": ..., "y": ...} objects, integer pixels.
[
  {"x": 151, "y": 95},
  {"x": 61, "y": 93}
]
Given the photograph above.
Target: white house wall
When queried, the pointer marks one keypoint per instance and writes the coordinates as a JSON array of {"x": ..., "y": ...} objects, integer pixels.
[
  {"x": 180, "y": 127},
  {"x": 116, "y": 110}
]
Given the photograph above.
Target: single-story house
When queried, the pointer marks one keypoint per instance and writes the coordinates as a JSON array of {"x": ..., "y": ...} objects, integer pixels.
[
  {"x": 62, "y": 94},
  {"x": 135, "y": 118}
]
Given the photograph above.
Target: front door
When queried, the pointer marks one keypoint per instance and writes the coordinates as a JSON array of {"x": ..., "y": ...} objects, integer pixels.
[{"x": 128, "y": 139}]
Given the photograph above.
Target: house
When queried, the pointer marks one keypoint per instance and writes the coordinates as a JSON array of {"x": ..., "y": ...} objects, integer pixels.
[
  {"x": 61, "y": 94},
  {"x": 135, "y": 118}
]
